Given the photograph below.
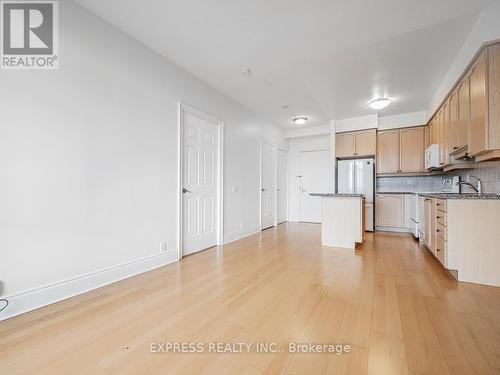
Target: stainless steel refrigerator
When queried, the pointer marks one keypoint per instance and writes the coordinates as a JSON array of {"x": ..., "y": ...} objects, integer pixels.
[{"x": 357, "y": 176}]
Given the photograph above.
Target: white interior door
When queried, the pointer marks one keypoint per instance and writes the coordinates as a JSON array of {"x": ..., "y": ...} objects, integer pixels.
[
  {"x": 282, "y": 186},
  {"x": 316, "y": 171},
  {"x": 200, "y": 184},
  {"x": 268, "y": 186}
]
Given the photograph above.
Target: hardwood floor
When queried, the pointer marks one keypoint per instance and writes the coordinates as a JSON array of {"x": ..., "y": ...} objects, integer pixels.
[{"x": 400, "y": 312}]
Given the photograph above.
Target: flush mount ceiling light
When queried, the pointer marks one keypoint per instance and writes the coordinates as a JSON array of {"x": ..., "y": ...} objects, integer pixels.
[
  {"x": 300, "y": 120},
  {"x": 379, "y": 103},
  {"x": 247, "y": 73}
]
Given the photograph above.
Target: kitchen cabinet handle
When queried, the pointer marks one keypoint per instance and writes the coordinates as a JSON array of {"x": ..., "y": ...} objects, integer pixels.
[
  {"x": 455, "y": 147},
  {"x": 438, "y": 249},
  {"x": 438, "y": 217},
  {"x": 438, "y": 230}
]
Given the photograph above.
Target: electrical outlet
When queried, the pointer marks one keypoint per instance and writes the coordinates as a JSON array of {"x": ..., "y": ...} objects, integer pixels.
[{"x": 163, "y": 247}]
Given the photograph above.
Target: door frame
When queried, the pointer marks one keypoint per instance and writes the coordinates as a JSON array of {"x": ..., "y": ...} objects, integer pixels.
[
  {"x": 287, "y": 179},
  {"x": 185, "y": 108},
  {"x": 275, "y": 173}
]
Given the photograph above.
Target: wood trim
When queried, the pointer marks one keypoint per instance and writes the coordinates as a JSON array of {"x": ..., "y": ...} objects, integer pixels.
[
  {"x": 354, "y": 131},
  {"x": 410, "y": 174},
  {"x": 489, "y": 155},
  {"x": 459, "y": 166}
]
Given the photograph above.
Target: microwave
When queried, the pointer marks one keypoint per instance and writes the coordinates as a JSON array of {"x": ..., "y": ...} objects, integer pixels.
[{"x": 432, "y": 157}]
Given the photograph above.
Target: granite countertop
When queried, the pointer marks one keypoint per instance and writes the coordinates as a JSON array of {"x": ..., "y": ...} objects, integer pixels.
[
  {"x": 491, "y": 196},
  {"x": 396, "y": 192},
  {"x": 334, "y": 195}
]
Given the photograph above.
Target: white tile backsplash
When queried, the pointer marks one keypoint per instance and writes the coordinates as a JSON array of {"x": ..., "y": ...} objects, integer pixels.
[
  {"x": 410, "y": 184},
  {"x": 488, "y": 172}
]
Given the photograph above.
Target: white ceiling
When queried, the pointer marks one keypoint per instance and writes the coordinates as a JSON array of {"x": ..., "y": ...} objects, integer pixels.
[{"x": 324, "y": 58}]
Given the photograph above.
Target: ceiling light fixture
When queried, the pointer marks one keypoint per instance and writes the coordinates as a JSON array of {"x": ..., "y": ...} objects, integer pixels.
[
  {"x": 300, "y": 120},
  {"x": 246, "y": 73},
  {"x": 379, "y": 103}
]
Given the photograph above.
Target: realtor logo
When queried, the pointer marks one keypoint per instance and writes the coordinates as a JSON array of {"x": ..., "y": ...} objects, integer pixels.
[{"x": 29, "y": 34}]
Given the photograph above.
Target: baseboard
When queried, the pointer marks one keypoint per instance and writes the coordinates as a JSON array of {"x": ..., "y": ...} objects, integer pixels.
[
  {"x": 390, "y": 229},
  {"x": 239, "y": 234},
  {"x": 46, "y": 295}
]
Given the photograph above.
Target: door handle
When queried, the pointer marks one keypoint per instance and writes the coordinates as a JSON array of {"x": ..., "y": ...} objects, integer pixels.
[
  {"x": 184, "y": 191},
  {"x": 262, "y": 189}
]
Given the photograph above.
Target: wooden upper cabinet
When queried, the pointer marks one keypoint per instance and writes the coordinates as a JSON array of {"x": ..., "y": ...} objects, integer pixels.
[
  {"x": 494, "y": 97},
  {"x": 411, "y": 149},
  {"x": 432, "y": 130},
  {"x": 468, "y": 123},
  {"x": 388, "y": 151},
  {"x": 360, "y": 143},
  {"x": 366, "y": 142},
  {"x": 443, "y": 134},
  {"x": 453, "y": 129},
  {"x": 463, "y": 114},
  {"x": 478, "y": 106},
  {"x": 427, "y": 137},
  {"x": 346, "y": 144}
]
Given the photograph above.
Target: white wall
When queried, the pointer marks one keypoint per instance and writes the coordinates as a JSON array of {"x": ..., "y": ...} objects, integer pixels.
[
  {"x": 319, "y": 142},
  {"x": 486, "y": 28},
  {"x": 88, "y": 157},
  {"x": 356, "y": 123},
  {"x": 307, "y": 132},
  {"x": 402, "y": 121}
]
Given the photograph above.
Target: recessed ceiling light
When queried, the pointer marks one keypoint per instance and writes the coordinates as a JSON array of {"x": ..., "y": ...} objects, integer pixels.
[
  {"x": 300, "y": 120},
  {"x": 285, "y": 106},
  {"x": 246, "y": 73},
  {"x": 379, "y": 103}
]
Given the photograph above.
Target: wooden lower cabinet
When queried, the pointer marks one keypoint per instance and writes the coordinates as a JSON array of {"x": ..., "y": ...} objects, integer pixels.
[
  {"x": 430, "y": 224},
  {"x": 463, "y": 235},
  {"x": 390, "y": 210},
  {"x": 471, "y": 240},
  {"x": 441, "y": 250}
]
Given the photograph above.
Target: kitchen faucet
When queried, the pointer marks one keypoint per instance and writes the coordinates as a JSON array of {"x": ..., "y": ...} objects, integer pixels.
[{"x": 478, "y": 188}]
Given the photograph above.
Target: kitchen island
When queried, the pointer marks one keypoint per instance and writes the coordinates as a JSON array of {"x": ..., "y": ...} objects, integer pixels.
[{"x": 342, "y": 219}]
